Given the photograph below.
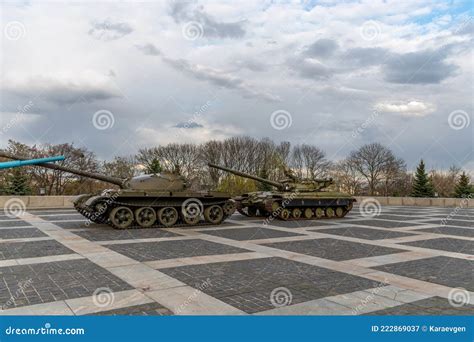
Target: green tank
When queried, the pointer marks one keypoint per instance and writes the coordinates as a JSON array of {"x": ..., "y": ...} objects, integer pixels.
[
  {"x": 157, "y": 200},
  {"x": 294, "y": 199}
]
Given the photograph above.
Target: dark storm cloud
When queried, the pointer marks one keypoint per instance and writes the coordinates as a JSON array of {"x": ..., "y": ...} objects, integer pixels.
[
  {"x": 148, "y": 49},
  {"x": 323, "y": 48},
  {"x": 107, "y": 30},
  {"x": 310, "y": 68},
  {"x": 422, "y": 67},
  {"x": 183, "y": 12},
  {"x": 365, "y": 56}
]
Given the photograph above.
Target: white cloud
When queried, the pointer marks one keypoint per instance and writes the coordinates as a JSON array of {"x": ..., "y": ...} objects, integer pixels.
[{"x": 407, "y": 108}]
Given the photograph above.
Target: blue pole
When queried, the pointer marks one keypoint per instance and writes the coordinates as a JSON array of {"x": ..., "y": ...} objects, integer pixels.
[{"x": 19, "y": 163}]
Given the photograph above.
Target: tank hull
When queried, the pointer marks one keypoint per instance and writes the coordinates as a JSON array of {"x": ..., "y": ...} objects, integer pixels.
[{"x": 155, "y": 209}]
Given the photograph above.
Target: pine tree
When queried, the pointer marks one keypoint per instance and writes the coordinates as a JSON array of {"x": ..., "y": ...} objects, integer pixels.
[
  {"x": 422, "y": 185},
  {"x": 154, "y": 167},
  {"x": 463, "y": 188},
  {"x": 17, "y": 184}
]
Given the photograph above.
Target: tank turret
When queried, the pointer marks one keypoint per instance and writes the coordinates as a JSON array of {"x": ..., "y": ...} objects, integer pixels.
[{"x": 292, "y": 183}]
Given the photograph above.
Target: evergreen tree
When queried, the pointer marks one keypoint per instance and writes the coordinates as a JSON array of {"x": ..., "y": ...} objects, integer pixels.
[
  {"x": 463, "y": 188},
  {"x": 154, "y": 167},
  {"x": 17, "y": 184},
  {"x": 422, "y": 185}
]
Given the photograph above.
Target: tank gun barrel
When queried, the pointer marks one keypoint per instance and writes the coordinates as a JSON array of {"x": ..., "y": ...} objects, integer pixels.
[
  {"x": 19, "y": 163},
  {"x": 108, "y": 179},
  {"x": 246, "y": 175}
]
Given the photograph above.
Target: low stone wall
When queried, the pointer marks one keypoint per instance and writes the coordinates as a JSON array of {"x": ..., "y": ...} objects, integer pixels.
[
  {"x": 38, "y": 202},
  {"x": 422, "y": 202}
]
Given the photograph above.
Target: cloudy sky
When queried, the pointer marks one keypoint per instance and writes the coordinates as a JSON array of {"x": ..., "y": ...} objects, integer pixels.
[{"x": 117, "y": 76}]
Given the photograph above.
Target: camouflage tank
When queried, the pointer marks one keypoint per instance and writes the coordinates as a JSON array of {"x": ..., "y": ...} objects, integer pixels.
[
  {"x": 156, "y": 200},
  {"x": 294, "y": 199}
]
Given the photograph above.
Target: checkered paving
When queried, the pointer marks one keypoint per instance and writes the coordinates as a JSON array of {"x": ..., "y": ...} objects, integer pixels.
[{"x": 404, "y": 261}]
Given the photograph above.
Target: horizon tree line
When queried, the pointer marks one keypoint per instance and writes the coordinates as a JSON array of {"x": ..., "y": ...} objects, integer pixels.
[{"x": 372, "y": 169}]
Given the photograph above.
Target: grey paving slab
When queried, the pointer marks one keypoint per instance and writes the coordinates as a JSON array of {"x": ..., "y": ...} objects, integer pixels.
[
  {"x": 62, "y": 217},
  {"x": 49, "y": 282},
  {"x": 52, "y": 212},
  {"x": 32, "y": 249},
  {"x": 15, "y": 223},
  {"x": 363, "y": 233},
  {"x": 251, "y": 233},
  {"x": 334, "y": 249},
  {"x": 151, "y": 309},
  {"x": 115, "y": 234},
  {"x": 383, "y": 224},
  {"x": 434, "y": 306},
  {"x": 451, "y": 222},
  {"x": 448, "y": 230},
  {"x": 148, "y": 251},
  {"x": 399, "y": 218},
  {"x": 248, "y": 284},
  {"x": 20, "y": 233},
  {"x": 445, "y": 244},
  {"x": 82, "y": 224},
  {"x": 452, "y": 272}
]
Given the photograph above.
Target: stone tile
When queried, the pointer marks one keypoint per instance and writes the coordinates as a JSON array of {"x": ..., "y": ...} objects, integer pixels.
[
  {"x": 148, "y": 251},
  {"x": 445, "y": 244},
  {"x": 448, "y": 230},
  {"x": 452, "y": 272},
  {"x": 127, "y": 234},
  {"x": 363, "y": 233},
  {"x": 82, "y": 224},
  {"x": 334, "y": 249},
  {"x": 248, "y": 284},
  {"x": 15, "y": 223},
  {"x": 20, "y": 233},
  {"x": 54, "y": 281},
  {"x": 434, "y": 306},
  {"x": 18, "y": 250},
  {"x": 458, "y": 223},
  {"x": 62, "y": 217},
  {"x": 150, "y": 309},
  {"x": 399, "y": 218},
  {"x": 250, "y": 233},
  {"x": 59, "y": 308},
  {"x": 383, "y": 224}
]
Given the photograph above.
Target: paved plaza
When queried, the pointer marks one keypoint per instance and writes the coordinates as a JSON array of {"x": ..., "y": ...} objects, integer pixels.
[{"x": 405, "y": 261}]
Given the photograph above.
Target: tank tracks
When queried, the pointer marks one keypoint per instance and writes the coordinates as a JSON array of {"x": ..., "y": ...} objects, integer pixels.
[{"x": 269, "y": 210}]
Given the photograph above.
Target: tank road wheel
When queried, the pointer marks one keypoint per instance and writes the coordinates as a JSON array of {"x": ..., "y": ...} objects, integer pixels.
[
  {"x": 308, "y": 213},
  {"x": 284, "y": 214},
  {"x": 329, "y": 212},
  {"x": 214, "y": 214},
  {"x": 339, "y": 212},
  {"x": 252, "y": 211},
  {"x": 296, "y": 213},
  {"x": 191, "y": 220},
  {"x": 318, "y": 212},
  {"x": 229, "y": 207},
  {"x": 145, "y": 217},
  {"x": 167, "y": 216},
  {"x": 121, "y": 217}
]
